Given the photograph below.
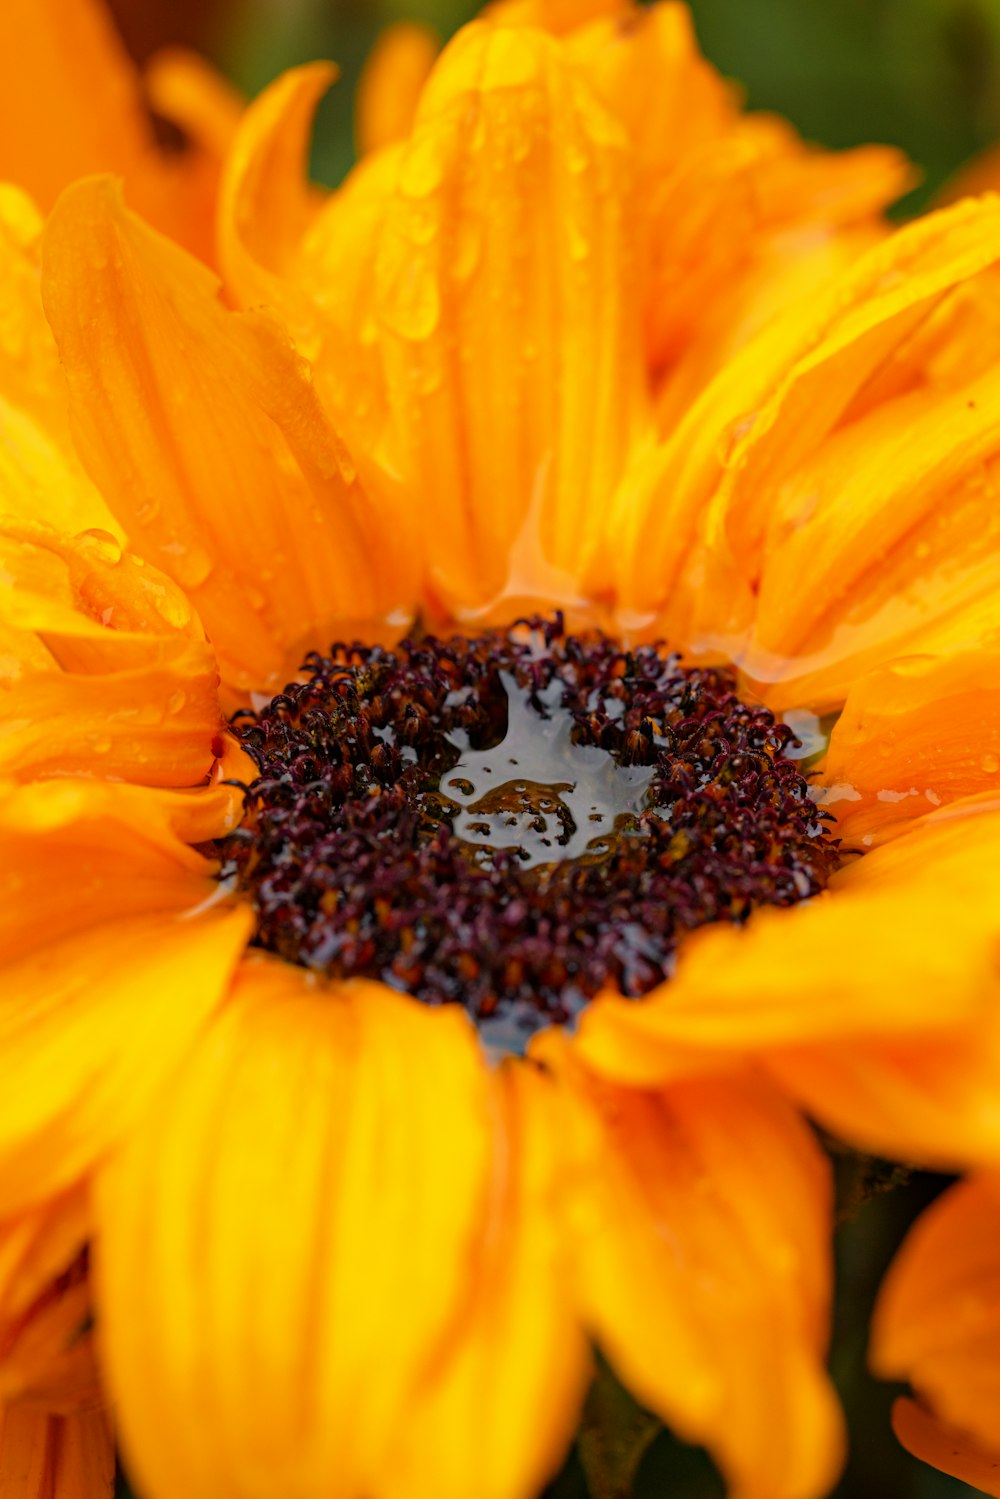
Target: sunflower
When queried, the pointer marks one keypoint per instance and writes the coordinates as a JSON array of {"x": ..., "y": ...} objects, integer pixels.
[{"x": 274, "y": 906}]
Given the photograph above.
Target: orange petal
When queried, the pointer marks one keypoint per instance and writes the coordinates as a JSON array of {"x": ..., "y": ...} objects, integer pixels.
[
  {"x": 733, "y": 460},
  {"x": 125, "y": 689},
  {"x": 555, "y": 16},
  {"x": 184, "y": 88},
  {"x": 795, "y": 975},
  {"x": 274, "y": 1298},
  {"x": 71, "y": 104},
  {"x": 71, "y": 100},
  {"x": 937, "y": 1322},
  {"x": 390, "y": 84},
  {"x": 934, "y": 1099},
  {"x": 37, "y": 1247},
  {"x": 497, "y": 1411},
  {"x": 205, "y": 433},
  {"x": 267, "y": 205},
  {"x": 115, "y": 949},
  {"x": 41, "y": 477},
  {"x": 946, "y": 1447},
  {"x": 56, "y": 1457},
  {"x": 914, "y": 734},
  {"x": 701, "y": 1219},
  {"x": 507, "y": 296}
]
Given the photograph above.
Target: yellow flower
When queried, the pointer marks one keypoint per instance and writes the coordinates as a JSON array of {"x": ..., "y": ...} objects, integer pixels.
[{"x": 553, "y": 347}]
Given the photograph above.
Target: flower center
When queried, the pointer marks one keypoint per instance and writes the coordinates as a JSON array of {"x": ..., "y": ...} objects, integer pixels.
[{"x": 514, "y": 821}]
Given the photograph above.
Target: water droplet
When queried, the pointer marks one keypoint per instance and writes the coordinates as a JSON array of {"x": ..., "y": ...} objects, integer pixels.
[
  {"x": 102, "y": 745},
  {"x": 989, "y": 764},
  {"x": 107, "y": 548},
  {"x": 176, "y": 701}
]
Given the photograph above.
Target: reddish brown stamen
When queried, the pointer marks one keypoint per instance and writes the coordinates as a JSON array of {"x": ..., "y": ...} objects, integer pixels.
[{"x": 514, "y": 821}]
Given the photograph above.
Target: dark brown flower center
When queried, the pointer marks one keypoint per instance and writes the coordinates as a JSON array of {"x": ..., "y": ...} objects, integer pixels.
[{"x": 514, "y": 821}]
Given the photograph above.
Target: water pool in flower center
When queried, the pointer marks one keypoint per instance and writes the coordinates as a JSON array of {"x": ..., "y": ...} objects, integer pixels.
[{"x": 513, "y": 821}]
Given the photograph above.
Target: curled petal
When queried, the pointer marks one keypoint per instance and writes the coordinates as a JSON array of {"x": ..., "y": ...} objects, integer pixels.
[
  {"x": 937, "y": 1322},
  {"x": 945, "y": 1447},
  {"x": 267, "y": 205}
]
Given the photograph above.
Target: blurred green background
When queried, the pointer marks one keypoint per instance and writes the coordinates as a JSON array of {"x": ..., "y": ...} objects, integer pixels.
[{"x": 920, "y": 74}]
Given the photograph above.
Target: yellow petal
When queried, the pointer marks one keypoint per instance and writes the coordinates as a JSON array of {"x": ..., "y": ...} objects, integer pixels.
[
  {"x": 937, "y": 1322},
  {"x": 56, "y": 1457},
  {"x": 913, "y": 735},
  {"x": 506, "y": 302},
  {"x": 701, "y": 1221},
  {"x": 946, "y": 1447},
  {"x": 274, "y": 1296},
  {"x": 390, "y": 84},
  {"x": 205, "y": 433},
  {"x": 497, "y": 1411}
]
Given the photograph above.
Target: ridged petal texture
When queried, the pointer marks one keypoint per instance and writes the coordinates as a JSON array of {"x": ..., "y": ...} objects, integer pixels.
[
  {"x": 300, "y": 1252},
  {"x": 701, "y": 1215},
  {"x": 204, "y": 433},
  {"x": 477, "y": 295},
  {"x": 937, "y": 1325},
  {"x": 828, "y": 492}
]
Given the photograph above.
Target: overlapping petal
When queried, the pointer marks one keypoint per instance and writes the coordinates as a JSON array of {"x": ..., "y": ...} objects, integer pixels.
[
  {"x": 390, "y": 84},
  {"x": 105, "y": 671},
  {"x": 114, "y": 951},
  {"x": 288, "y": 1244},
  {"x": 787, "y": 480},
  {"x": 204, "y": 432},
  {"x": 899, "y": 1052},
  {"x": 701, "y": 1217},
  {"x": 506, "y": 301}
]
